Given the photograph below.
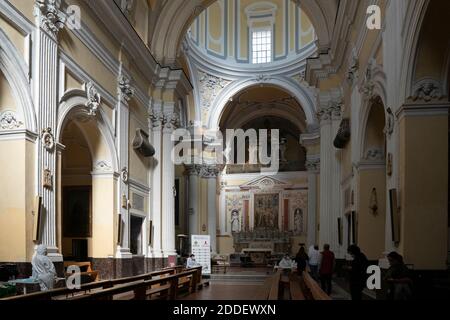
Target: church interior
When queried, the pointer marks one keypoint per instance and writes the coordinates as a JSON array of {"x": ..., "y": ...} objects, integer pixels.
[{"x": 337, "y": 114}]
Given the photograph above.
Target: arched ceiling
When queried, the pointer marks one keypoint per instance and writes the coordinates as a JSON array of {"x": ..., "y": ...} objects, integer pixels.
[
  {"x": 172, "y": 19},
  {"x": 263, "y": 102}
]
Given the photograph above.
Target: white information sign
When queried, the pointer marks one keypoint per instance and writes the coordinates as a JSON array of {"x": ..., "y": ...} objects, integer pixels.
[{"x": 201, "y": 248}]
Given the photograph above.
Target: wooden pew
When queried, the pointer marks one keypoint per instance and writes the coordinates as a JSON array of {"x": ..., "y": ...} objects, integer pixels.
[
  {"x": 86, "y": 268},
  {"x": 270, "y": 288},
  {"x": 295, "y": 288},
  {"x": 312, "y": 288},
  {"x": 62, "y": 293},
  {"x": 168, "y": 286}
]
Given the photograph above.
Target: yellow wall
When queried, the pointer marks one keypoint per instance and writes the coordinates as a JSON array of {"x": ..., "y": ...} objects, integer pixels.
[
  {"x": 371, "y": 227},
  {"x": 17, "y": 197},
  {"x": 423, "y": 191}
]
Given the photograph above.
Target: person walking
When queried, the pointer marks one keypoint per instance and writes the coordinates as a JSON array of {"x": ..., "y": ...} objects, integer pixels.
[
  {"x": 314, "y": 260},
  {"x": 301, "y": 259},
  {"x": 358, "y": 272},
  {"x": 327, "y": 264}
]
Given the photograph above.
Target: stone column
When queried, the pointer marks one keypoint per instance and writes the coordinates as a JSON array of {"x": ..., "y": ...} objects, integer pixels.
[
  {"x": 125, "y": 92},
  {"x": 336, "y": 195},
  {"x": 329, "y": 176},
  {"x": 210, "y": 173},
  {"x": 193, "y": 211},
  {"x": 171, "y": 118},
  {"x": 313, "y": 167},
  {"x": 157, "y": 122},
  {"x": 49, "y": 20}
]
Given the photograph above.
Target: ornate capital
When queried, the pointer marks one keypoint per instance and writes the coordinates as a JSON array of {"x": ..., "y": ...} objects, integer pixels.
[
  {"x": 94, "y": 99},
  {"x": 332, "y": 112},
  {"x": 156, "y": 119},
  {"x": 125, "y": 90},
  {"x": 193, "y": 170},
  {"x": 313, "y": 165},
  {"x": 49, "y": 17},
  {"x": 171, "y": 121},
  {"x": 209, "y": 171}
]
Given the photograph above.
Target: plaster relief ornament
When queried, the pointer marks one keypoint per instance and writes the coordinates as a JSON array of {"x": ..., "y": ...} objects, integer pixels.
[
  {"x": 94, "y": 99},
  {"x": 390, "y": 122},
  {"x": 48, "y": 141},
  {"x": 9, "y": 121},
  {"x": 427, "y": 91},
  {"x": 353, "y": 68},
  {"x": 125, "y": 88},
  {"x": 47, "y": 179},
  {"x": 210, "y": 88},
  {"x": 368, "y": 84},
  {"x": 124, "y": 175},
  {"x": 51, "y": 19}
]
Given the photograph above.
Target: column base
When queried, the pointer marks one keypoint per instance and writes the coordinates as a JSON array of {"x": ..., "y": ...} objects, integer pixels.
[
  {"x": 123, "y": 253},
  {"x": 54, "y": 255},
  {"x": 156, "y": 253}
]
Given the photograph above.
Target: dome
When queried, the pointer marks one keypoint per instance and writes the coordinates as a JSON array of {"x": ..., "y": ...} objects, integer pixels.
[{"x": 252, "y": 34}]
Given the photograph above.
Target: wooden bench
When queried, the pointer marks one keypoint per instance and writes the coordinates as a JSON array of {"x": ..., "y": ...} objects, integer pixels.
[
  {"x": 295, "y": 288},
  {"x": 166, "y": 287},
  {"x": 64, "y": 293},
  {"x": 270, "y": 289},
  {"x": 312, "y": 288}
]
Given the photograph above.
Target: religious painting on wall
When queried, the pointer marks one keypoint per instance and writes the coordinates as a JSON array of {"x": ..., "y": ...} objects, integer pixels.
[
  {"x": 77, "y": 212},
  {"x": 267, "y": 208}
]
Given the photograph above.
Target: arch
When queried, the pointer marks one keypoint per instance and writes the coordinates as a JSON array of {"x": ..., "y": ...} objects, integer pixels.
[
  {"x": 299, "y": 92},
  {"x": 176, "y": 17},
  {"x": 15, "y": 70},
  {"x": 273, "y": 112},
  {"x": 72, "y": 103}
]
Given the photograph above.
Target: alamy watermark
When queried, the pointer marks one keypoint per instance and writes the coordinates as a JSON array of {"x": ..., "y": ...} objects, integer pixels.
[{"x": 252, "y": 147}]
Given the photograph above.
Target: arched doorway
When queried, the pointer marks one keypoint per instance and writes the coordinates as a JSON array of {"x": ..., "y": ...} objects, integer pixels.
[{"x": 87, "y": 185}]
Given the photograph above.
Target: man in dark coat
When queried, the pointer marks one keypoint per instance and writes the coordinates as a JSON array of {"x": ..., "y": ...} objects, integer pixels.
[{"x": 358, "y": 272}]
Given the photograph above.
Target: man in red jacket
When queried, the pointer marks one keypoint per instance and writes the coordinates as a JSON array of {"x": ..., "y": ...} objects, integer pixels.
[{"x": 327, "y": 269}]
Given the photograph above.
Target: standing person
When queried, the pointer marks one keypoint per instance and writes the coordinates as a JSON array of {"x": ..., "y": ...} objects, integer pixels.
[
  {"x": 314, "y": 261},
  {"x": 327, "y": 269},
  {"x": 358, "y": 272},
  {"x": 398, "y": 277},
  {"x": 301, "y": 259}
]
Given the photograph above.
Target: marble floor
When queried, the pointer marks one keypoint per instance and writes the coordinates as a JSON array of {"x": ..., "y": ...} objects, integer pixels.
[{"x": 243, "y": 284}]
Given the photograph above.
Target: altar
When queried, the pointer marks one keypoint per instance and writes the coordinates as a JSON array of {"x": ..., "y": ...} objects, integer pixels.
[{"x": 258, "y": 256}]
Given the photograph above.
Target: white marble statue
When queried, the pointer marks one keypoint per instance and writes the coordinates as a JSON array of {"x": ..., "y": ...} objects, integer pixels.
[
  {"x": 235, "y": 227},
  {"x": 43, "y": 269}
]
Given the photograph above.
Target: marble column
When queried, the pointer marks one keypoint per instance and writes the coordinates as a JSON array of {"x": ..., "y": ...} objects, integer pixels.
[
  {"x": 157, "y": 122},
  {"x": 125, "y": 92},
  {"x": 313, "y": 167},
  {"x": 210, "y": 173},
  {"x": 50, "y": 20},
  {"x": 168, "y": 180},
  {"x": 193, "y": 211}
]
